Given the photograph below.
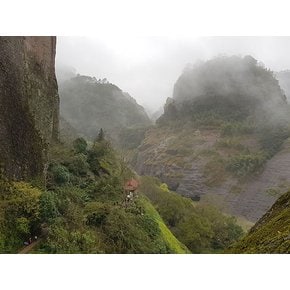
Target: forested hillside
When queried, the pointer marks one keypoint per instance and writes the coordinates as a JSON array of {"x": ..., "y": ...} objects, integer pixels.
[
  {"x": 203, "y": 229},
  {"x": 82, "y": 208},
  {"x": 89, "y": 104}
]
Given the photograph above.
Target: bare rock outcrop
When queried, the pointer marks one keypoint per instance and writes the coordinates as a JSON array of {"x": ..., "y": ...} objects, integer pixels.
[
  {"x": 29, "y": 104},
  {"x": 180, "y": 159}
]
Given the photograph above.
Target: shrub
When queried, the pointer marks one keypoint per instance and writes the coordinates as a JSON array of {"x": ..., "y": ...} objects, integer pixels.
[
  {"x": 230, "y": 143},
  {"x": 96, "y": 213},
  {"x": 107, "y": 188},
  {"x": 48, "y": 206},
  {"x": 272, "y": 138},
  {"x": 19, "y": 213},
  {"x": 70, "y": 193},
  {"x": 78, "y": 165},
  {"x": 236, "y": 128},
  {"x": 200, "y": 228},
  {"x": 62, "y": 240},
  {"x": 80, "y": 145},
  {"x": 96, "y": 153},
  {"x": 195, "y": 232},
  {"x": 225, "y": 229},
  {"x": 60, "y": 173},
  {"x": 170, "y": 206},
  {"x": 22, "y": 226},
  {"x": 129, "y": 233},
  {"x": 164, "y": 187},
  {"x": 246, "y": 164}
]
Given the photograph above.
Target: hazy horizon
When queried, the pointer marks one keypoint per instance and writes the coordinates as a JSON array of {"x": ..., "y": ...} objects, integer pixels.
[{"x": 148, "y": 67}]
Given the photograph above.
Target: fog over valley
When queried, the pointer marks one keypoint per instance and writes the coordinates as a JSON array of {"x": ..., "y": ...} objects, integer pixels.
[
  {"x": 148, "y": 67},
  {"x": 157, "y": 145}
]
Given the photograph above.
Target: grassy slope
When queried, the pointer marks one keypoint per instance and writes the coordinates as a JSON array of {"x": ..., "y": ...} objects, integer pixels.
[
  {"x": 169, "y": 239},
  {"x": 172, "y": 243},
  {"x": 272, "y": 232}
]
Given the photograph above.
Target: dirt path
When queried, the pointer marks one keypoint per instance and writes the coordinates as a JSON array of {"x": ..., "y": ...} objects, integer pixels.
[{"x": 28, "y": 248}]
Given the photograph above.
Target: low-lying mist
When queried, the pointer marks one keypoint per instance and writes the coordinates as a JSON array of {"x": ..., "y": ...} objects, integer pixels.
[
  {"x": 231, "y": 86},
  {"x": 148, "y": 67}
]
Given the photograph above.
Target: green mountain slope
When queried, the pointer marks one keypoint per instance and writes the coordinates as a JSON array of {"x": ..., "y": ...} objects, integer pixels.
[
  {"x": 89, "y": 104},
  {"x": 203, "y": 229},
  {"x": 82, "y": 208},
  {"x": 172, "y": 243},
  {"x": 271, "y": 234}
]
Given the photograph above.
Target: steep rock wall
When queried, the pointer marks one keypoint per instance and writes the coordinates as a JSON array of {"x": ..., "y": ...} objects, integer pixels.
[
  {"x": 29, "y": 104},
  {"x": 180, "y": 160}
]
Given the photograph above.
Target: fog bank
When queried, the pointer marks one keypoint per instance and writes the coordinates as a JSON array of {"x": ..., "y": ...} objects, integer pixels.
[{"x": 148, "y": 67}]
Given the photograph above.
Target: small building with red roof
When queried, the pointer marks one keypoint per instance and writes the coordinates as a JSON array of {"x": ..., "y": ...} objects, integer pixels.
[{"x": 131, "y": 185}]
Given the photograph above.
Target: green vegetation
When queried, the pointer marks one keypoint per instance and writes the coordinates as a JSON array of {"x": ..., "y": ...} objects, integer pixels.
[
  {"x": 83, "y": 208},
  {"x": 88, "y": 105},
  {"x": 203, "y": 229},
  {"x": 244, "y": 165},
  {"x": 274, "y": 191},
  {"x": 228, "y": 114},
  {"x": 19, "y": 213},
  {"x": 236, "y": 128},
  {"x": 80, "y": 145},
  {"x": 234, "y": 85},
  {"x": 240, "y": 99},
  {"x": 130, "y": 138},
  {"x": 271, "y": 234},
  {"x": 231, "y": 143},
  {"x": 272, "y": 137},
  {"x": 174, "y": 245}
]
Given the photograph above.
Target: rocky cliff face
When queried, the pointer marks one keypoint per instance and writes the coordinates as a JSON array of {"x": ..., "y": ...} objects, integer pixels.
[
  {"x": 259, "y": 194},
  {"x": 29, "y": 104},
  {"x": 192, "y": 162},
  {"x": 220, "y": 138}
]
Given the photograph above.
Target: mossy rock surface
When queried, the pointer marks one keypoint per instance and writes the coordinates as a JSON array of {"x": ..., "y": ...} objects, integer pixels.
[{"x": 271, "y": 234}]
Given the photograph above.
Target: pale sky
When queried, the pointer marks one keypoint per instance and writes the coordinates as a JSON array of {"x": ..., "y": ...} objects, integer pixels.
[{"x": 148, "y": 67}]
